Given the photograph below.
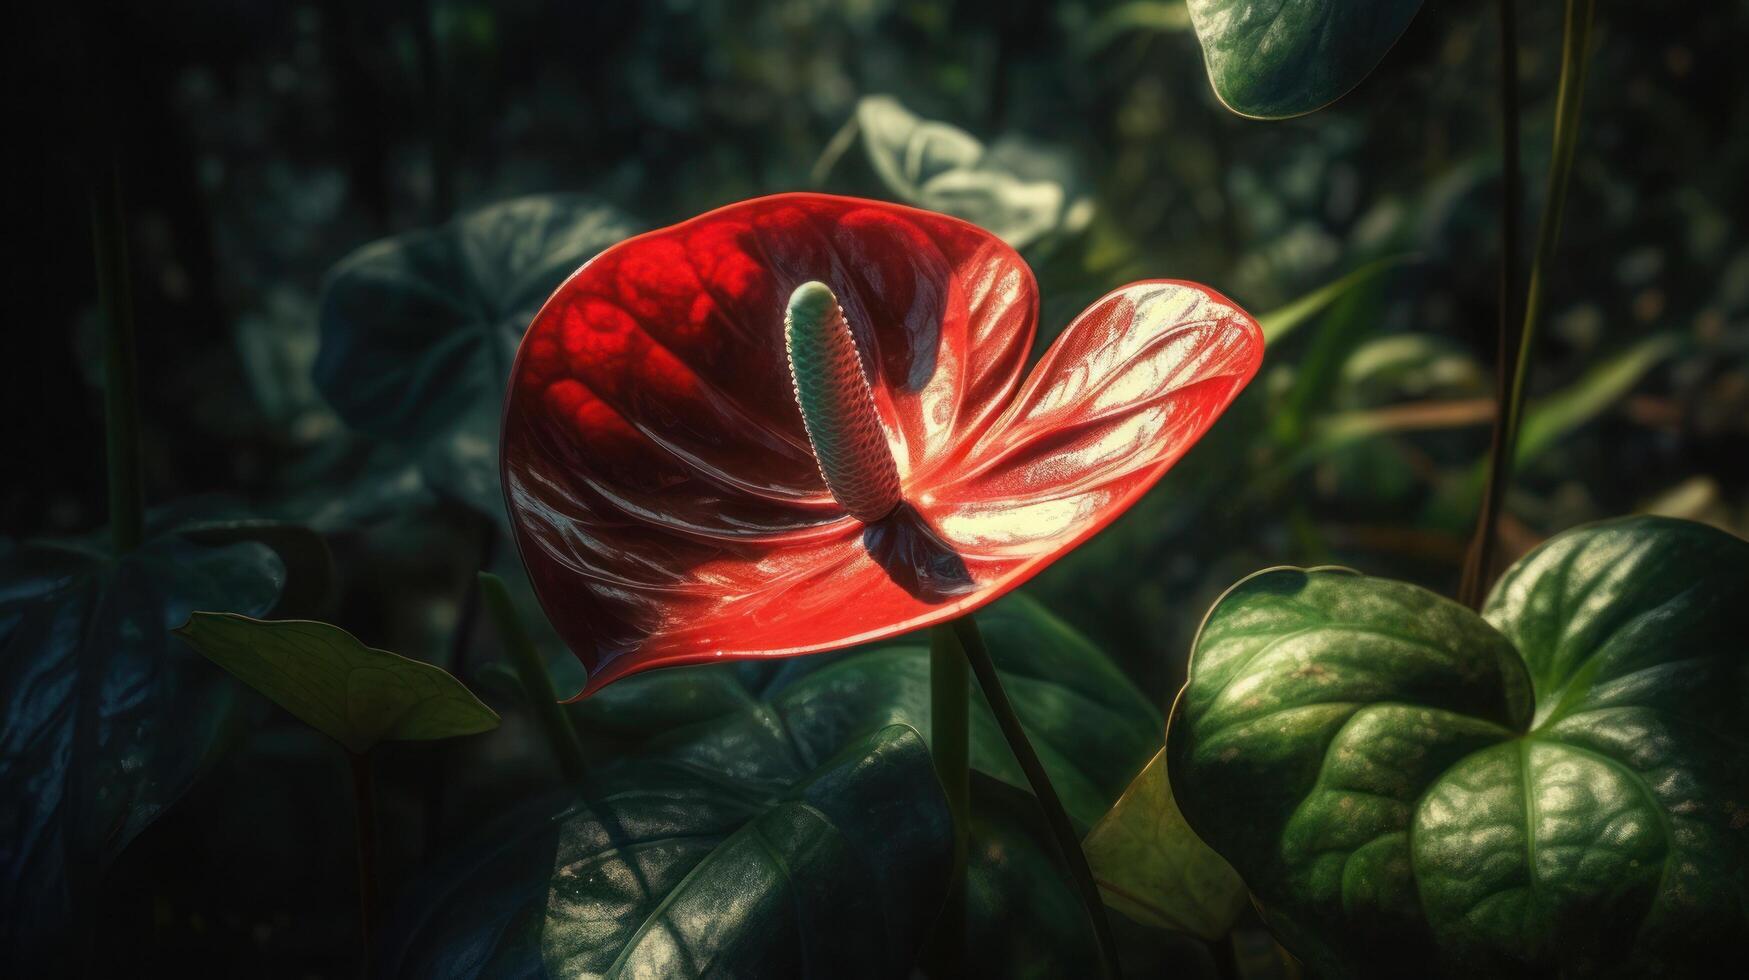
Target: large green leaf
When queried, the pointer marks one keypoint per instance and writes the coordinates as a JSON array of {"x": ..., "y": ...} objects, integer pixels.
[
  {"x": 679, "y": 872},
  {"x": 1153, "y": 868},
  {"x": 419, "y": 331},
  {"x": 354, "y": 694},
  {"x": 1090, "y": 725},
  {"x": 1271, "y": 59},
  {"x": 1556, "y": 786},
  {"x": 107, "y": 721}
]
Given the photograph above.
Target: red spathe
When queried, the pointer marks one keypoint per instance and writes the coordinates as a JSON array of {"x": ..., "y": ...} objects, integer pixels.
[{"x": 660, "y": 483}]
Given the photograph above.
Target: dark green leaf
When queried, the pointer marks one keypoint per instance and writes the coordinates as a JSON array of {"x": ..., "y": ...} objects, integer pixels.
[
  {"x": 758, "y": 724},
  {"x": 1153, "y": 868},
  {"x": 1556, "y": 788},
  {"x": 107, "y": 721},
  {"x": 678, "y": 873},
  {"x": 1271, "y": 59},
  {"x": 419, "y": 331},
  {"x": 1091, "y": 727},
  {"x": 352, "y": 693}
]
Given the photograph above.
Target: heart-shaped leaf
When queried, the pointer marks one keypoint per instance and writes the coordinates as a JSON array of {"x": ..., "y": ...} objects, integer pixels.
[
  {"x": 107, "y": 722},
  {"x": 352, "y": 693},
  {"x": 419, "y": 331},
  {"x": 1271, "y": 59},
  {"x": 1555, "y": 788},
  {"x": 1153, "y": 868},
  {"x": 943, "y": 168},
  {"x": 676, "y": 872}
]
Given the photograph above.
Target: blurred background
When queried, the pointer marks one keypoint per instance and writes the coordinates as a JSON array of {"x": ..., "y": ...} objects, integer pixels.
[{"x": 259, "y": 144}]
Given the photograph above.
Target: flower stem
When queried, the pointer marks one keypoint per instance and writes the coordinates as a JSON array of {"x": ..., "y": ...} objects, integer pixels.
[
  {"x": 1063, "y": 833},
  {"x": 950, "y": 744},
  {"x": 1516, "y": 352},
  {"x": 120, "y": 372},
  {"x": 536, "y": 682},
  {"x": 364, "y": 812}
]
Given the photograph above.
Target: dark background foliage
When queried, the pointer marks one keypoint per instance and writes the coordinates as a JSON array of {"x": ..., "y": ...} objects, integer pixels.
[{"x": 259, "y": 144}]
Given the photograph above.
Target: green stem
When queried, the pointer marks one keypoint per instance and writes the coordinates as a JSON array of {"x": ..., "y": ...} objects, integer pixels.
[
  {"x": 1481, "y": 551},
  {"x": 1575, "y": 52},
  {"x": 536, "y": 682},
  {"x": 1062, "y": 832},
  {"x": 950, "y": 744},
  {"x": 1225, "y": 951},
  {"x": 364, "y": 813},
  {"x": 120, "y": 374}
]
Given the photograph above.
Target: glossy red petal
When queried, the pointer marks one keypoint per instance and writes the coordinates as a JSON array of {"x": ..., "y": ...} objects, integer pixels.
[
  {"x": 660, "y": 483},
  {"x": 1127, "y": 389}
]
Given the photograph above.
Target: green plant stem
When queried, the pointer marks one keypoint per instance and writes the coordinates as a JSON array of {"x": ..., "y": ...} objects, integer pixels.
[
  {"x": 364, "y": 812},
  {"x": 950, "y": 745},
  {"x": 1068, "y": 842},
  {"x": 536, "y": 682},
  {"x": 1575, "y": 55},
  {"x": 1225, "y": 951},
  {"x": 120, "y": 372}
]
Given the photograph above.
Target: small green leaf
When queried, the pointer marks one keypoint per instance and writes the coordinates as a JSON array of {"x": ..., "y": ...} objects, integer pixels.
[
  {"x": 1554, "y": 415},
  {"x": 1278, "y": 323},
  {"x": 1272, "y": 59},
  {"x": 1153, "y": 868},
  {"x": 1553, "y": 788},
  {"x": 943, "y": 168},
  {"x": 352, "y": 693},
  {"x": 1551, "y": 417}
]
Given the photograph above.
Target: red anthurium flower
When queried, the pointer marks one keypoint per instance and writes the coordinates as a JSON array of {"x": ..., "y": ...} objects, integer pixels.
[{"x": 665, "y": 490}]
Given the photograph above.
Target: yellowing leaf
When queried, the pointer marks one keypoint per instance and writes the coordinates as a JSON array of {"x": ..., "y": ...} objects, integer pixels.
[{"x": 1153, "y": 868}]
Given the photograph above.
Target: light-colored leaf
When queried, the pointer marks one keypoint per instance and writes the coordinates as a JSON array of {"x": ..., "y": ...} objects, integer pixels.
[
  {"x": 352, "y": 693},
  {"x": 943, "y": 168},
  {"x": 1153, "y": 868}
]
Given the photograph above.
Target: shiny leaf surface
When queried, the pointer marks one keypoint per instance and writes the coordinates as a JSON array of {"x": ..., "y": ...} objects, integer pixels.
[
  {"x": 418, "y": 331},
  {"x": 108, "y": 721},
  {"x": 1271, "y": 59},
  {"x": 352, "y": 693},
  {"x": 1153, "y": 868},
  {"x": 662, "y": 490},
  {"x": 683, "y": 873},
  {"x": 1555, "y": 788},
  {"x": 1091, "y": 727}
]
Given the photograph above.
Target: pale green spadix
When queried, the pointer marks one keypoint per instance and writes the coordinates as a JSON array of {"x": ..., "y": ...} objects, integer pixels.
[{"x": 837, "y": 405}]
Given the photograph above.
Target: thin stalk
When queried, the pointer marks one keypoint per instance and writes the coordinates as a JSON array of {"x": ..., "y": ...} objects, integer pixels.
[
  {"x": 1225, "y": 951},
  {"x": 1575, "y": 54},
  {"x": 537, "y": 684},
  {"x": 1062, "y": 832},
  {"x": 121, "y": 403},
  {"x": 950, "y": 744},
  {"x": 364, "y": 812}
]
